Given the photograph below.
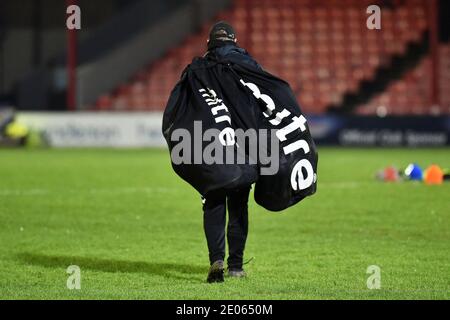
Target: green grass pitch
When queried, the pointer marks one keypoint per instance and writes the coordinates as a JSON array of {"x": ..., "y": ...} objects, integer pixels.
[{"x": 135, "y": 230}]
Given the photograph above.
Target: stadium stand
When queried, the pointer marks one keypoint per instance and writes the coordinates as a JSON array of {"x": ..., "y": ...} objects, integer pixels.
[
  {"x": 319, "y": 47},
  {"x": 411, "y": 94}
]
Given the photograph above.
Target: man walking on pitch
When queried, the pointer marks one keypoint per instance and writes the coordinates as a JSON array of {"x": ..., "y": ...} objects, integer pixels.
[
  {"x": 229, "y": 91},
  {"x": 222, "y": 44}
]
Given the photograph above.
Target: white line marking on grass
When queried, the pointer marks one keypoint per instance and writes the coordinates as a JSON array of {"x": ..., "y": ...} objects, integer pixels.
[
  {"x": 343, "y": 184},
  {"x": 130, "y": 190},
  {"x": 106, "y": 191},
  {"x": 21, "y": 192}
]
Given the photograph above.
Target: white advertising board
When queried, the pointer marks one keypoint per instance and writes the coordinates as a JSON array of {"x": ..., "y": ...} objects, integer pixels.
[{"x": 97, "y": 129}]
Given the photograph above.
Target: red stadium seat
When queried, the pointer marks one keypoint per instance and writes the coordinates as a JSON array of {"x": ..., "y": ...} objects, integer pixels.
[{"x": 318, "y": 46}]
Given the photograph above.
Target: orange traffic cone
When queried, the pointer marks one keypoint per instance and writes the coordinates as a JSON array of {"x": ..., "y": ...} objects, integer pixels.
[{"x": 434, "y": 175}]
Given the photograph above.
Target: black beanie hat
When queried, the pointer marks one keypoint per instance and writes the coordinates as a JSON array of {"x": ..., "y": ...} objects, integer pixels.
[{"x": 222, "y": 31}]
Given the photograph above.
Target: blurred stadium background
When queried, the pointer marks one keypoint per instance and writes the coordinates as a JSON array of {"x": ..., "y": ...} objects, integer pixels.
[
  {"x": 135, "y": 228},
  {"x": 128, "y": 55}
]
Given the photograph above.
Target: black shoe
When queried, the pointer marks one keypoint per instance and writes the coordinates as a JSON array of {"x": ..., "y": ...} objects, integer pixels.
[
  {"x": 237, "y": 273},
  {"x": 215, "y": 273}
]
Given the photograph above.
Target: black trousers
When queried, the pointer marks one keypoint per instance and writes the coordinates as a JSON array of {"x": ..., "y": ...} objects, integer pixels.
[{"x": 214, "y": 220}]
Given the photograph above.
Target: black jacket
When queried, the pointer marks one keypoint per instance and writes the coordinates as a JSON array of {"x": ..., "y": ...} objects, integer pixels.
[{"x": 231, "y": 52}]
